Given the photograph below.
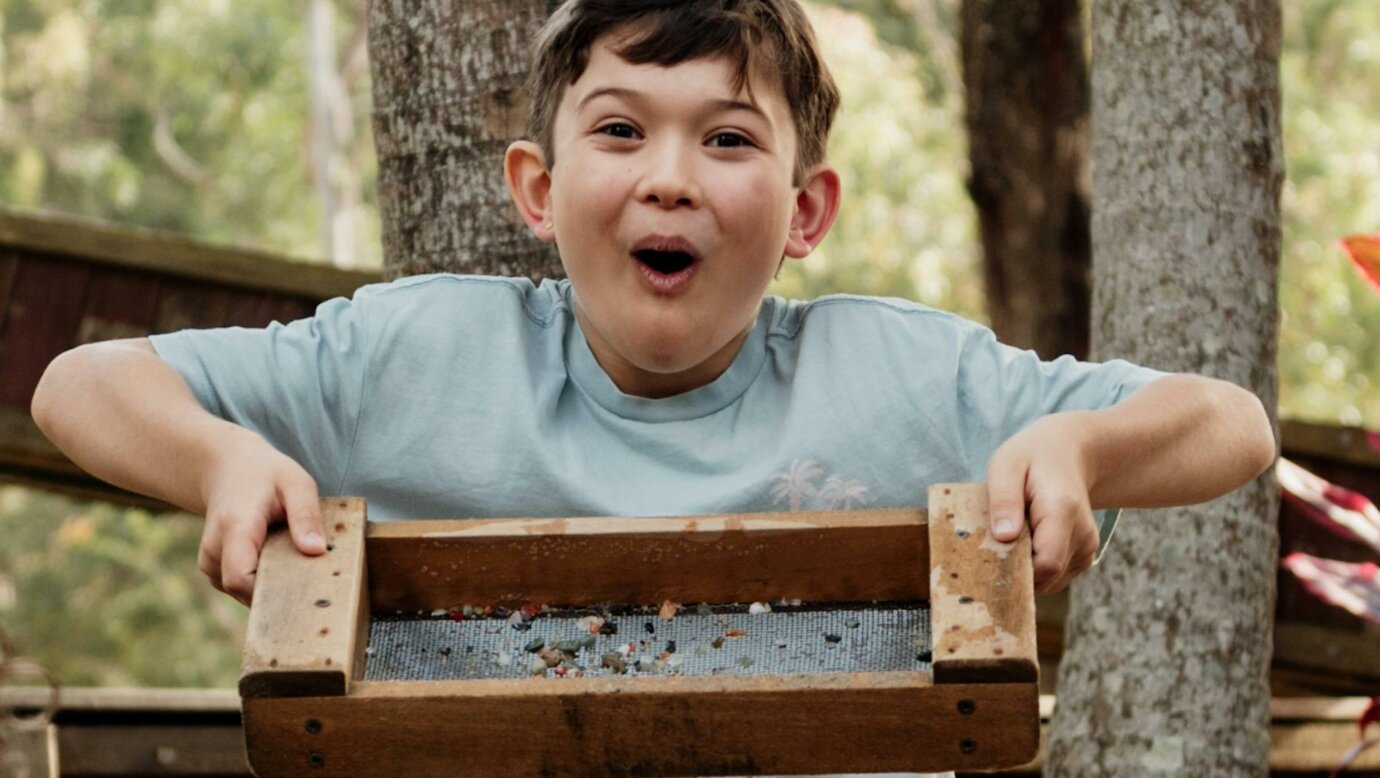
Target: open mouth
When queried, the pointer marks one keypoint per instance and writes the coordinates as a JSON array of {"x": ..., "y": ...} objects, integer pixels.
[{"x": 665, "y": 262}]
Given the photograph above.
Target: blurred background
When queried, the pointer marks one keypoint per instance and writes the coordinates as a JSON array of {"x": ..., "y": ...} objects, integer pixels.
[{"x": 192, "y": 116}]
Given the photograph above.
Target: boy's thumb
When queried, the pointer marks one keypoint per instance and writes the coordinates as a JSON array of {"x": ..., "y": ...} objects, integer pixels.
[
  {"x": 304, "y": 520},
  {"x": 1006, "y": 505}
]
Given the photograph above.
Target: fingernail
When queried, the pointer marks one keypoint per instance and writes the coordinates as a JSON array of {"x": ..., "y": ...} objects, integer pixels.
[
  {"x": 1005, "y": 526},
  {"x": 315, "y": 540}
]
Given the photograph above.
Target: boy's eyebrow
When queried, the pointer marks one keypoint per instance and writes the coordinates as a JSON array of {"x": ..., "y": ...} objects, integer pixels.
[{"x": 634, "y": 96}]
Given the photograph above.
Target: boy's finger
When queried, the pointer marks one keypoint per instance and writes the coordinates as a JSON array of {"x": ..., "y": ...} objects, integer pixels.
[
  {"x": 303, "y": 507},
  {"x": 239, "y": 563},
  {"x": 1006, "y": 498},
  {"x": 1050, "y": 545}
]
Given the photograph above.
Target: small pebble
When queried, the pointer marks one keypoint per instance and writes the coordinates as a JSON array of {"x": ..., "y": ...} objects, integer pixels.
[
  {"x": 780, "y": 644},
  {"x": 626, "y": 649},
  {"x": 522, "y": 626},
  {"x": 670, "y": 646},
  {"x": 534, "y": 645},
  {"x": 608, "y": 628},
  {"x": 668, "y": 610},
  {"x": 851, "y": 623},
  {"x": 833, "y": 638},
  {"x": 445, "y": 651},
  {"x": 503, "y": 659},
  {"x": 615, "y": 662},
  {"x": 590, "y": 624},
  {"x": 502, "y": 612},
  {"x": 369, "y": 651},
  {"x": 515, "y": 618},
  {"x": 674, "y": 661},
  {"x": 759, "y": 607},
  {"x": 718, "y": 642},
  {"x": 538, "y": 666},
  {"x": 550, "y": 656},
  {"x": 650, "y": 628},
  {"x": 923, "y": 656},
  {"x": 439, "y": 612}
]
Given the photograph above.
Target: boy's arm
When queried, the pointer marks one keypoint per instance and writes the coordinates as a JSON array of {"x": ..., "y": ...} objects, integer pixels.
[
  {"x": 1180, "y": 439},
  {"x": 125, "y": 416}
]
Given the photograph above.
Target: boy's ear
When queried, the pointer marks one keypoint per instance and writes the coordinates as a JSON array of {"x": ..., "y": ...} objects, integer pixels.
[
  {"x": 816, "y": 205},
  {"x": 529, "y": 182}
]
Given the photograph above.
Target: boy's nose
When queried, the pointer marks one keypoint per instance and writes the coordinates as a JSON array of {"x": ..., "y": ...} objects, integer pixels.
[{"x": 670, "y": 182}]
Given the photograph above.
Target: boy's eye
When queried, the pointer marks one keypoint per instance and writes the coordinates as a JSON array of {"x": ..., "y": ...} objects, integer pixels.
[
  {"x": 729, "y": 140},
  {"x": 618, "y": 130}
]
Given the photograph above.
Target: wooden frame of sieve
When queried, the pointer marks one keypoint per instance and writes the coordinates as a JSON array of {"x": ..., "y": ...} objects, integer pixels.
[{"x": 307, "y": 711}]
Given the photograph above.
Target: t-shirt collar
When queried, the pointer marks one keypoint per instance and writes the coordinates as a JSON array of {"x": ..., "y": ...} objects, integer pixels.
[{"x": 718, "y": 394}]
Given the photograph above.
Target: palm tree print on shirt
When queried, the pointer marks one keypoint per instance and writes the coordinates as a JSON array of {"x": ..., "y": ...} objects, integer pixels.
[{"x": 796, "y": 487}]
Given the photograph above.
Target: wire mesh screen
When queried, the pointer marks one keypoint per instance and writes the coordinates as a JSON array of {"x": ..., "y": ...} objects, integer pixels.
[{"x": 703, "y": 640}]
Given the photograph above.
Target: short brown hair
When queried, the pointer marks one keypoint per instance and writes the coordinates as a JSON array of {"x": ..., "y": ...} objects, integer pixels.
[{"x": 774, "y": 35}]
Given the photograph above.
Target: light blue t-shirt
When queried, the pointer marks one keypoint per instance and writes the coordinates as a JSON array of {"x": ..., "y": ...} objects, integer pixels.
[{"x": 446, "y": 396}]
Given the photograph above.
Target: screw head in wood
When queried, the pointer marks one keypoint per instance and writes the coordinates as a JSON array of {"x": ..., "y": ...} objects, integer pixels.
[
  {"x": 966, "y": 707},
  {"x": 967, "y": 745},
  {"x": 313, "y": 726}
]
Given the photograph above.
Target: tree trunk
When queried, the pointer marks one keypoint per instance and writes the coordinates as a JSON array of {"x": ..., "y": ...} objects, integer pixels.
[
  {"x": 1165, "y": 669},
  {"x": 448, "y": 99},
  {"x": 1027, "y": 117}
]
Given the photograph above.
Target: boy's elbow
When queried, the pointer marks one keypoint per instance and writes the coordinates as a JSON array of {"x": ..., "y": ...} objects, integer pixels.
[
  {"x": 1256, "y": 431},
  {"x": 46, "y": 402}
]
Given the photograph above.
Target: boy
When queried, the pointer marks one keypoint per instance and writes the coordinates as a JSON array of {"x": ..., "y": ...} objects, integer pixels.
[{"x": 676, "y": 158}]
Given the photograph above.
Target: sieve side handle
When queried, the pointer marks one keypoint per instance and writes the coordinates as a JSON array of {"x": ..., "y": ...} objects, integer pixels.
[
  {"x": 982, "y": 592},
  {"x": 309, "y": 621}
]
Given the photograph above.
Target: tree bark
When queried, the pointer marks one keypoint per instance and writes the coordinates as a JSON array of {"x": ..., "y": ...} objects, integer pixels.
[
  {"x": 448, "y": 99},
  {"x": 1165, "y": 669},
  {"x": 1025, "y": 80}
]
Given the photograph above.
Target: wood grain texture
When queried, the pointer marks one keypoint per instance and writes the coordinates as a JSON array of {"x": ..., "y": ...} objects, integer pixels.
[
  {"x": 119, "y": 304},
  {"x": 982, "y": 592},
  {"x": 309, "y": 621},
  {"x": 41, "y": 321},
  {"x": 845, "y": 556},
  {"x": 727, "y": 725}
]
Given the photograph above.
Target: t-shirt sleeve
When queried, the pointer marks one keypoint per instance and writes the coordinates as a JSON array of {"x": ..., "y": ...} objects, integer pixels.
[
  {"x": 1003, "y": 389},
  {"x": 298, "y": 385}
]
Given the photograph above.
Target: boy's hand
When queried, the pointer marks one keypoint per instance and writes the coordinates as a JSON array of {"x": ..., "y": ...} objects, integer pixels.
[
  {"x": 1042, "y": 472},
  {"x": 249, "y": 486}
]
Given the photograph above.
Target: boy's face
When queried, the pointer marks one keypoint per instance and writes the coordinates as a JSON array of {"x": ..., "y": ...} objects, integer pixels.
[{"x": 672, "y": 205}]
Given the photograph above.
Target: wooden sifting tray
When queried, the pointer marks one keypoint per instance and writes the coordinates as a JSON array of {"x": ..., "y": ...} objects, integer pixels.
[{"x": 421, "y": 648}]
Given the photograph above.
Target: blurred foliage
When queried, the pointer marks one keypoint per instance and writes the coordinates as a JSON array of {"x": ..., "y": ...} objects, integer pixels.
[
  {"x": 184, "y": 115},
  {"x": 192, "y": 116},
  {"x": 1329, "y": 351},
  {"x": 104, "y": 595}
]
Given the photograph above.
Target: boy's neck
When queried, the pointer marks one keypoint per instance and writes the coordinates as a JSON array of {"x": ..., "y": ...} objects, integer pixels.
[{"x": 633, "y": 380}]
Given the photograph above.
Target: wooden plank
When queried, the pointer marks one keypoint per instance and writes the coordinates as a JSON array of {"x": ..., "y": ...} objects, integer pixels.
[
  {"x": 251, "y": 309},
  {"x": 119, "y": 304},
  {"x": 982, "y": 595},
  {"x": 1325, "y": 441},
  {"x": 309, "y": 621},
  {"x": 844, "y": 556},
  {"x": 725, "y": 725},
  {"x": 9, "y": 267},
  {"x": 42, "y": 320},
  {"x": 167, "y": 253},
  {"x": 188, "y": 305},
  {"x": 147, "y": 750},
  {"x": 132, "y": 699}
]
